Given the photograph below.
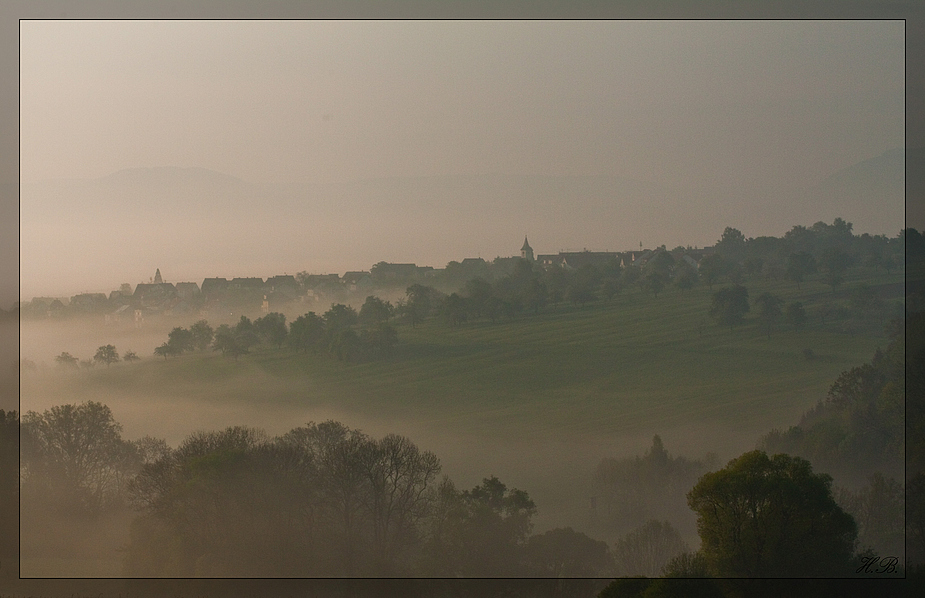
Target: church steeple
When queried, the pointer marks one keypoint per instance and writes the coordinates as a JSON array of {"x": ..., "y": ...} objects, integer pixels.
[
  {"x": 526, "y": 252},
  {"x": 157, "y": 277}
]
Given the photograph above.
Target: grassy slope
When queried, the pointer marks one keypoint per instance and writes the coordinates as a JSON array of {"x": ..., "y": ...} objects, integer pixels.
[
  {"x": 637, "y": 363},
  {"x": 538, "y": 401}
]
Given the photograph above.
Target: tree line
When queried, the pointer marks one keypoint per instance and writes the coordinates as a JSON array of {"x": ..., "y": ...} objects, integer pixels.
[{"x": 324, "y": 499}]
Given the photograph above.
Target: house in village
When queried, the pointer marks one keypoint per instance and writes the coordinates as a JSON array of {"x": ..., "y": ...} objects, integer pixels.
[
  {"x": 89, "y": 303},
  {"x": 44, "y": 307},
  {"x": 119, "y": 315},
  {"x": 214, "y": 288},
  {"x": 317, "y": 286},
  {"x": 574, "y": 260},
  {"x": 280, "y": 290},
  {"x": 154, "y": 296},
  {"x": 188, "y": 291},
  {"x": 388, "y": 274},
  {"x": 357, "y": 282}
]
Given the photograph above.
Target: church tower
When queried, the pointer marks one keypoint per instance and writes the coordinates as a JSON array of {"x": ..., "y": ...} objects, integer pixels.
[
  {"x": 526, "y": 251},
  {"x": 157, "y": 277}
]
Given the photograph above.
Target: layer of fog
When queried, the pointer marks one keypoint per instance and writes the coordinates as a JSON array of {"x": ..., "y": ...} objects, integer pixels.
[{"x": 554, "y": 465}]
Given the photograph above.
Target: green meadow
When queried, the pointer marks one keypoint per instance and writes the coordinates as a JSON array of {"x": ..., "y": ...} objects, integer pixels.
[
  {"x": 537, "y": 401},
  {"x": 635, "y": 364}
]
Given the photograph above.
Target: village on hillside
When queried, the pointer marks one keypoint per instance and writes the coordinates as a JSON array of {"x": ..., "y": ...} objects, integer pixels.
[{"x": 128, "y": 305}]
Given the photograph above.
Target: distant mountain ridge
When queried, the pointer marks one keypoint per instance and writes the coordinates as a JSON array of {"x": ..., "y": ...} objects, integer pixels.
[{"x": 887, "y": 169}]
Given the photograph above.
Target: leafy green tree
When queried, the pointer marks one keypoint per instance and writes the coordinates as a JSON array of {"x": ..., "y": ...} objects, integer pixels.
[
  {"x": 230, "y": 341},
  {"x": 685, "y": 276},
  {"x": 647, "y": 549},
  {"x": 729, "y": 305},
  {"x": 766, "y": 516},
  {"x": 66, "y": 360},
  {"x": 180, "y": 340},
  {"x": 321, "y": 500},
  {"x": 731, "y": 245},
  {"x": 870, "y": 418},
  {"x": 455, "y": 309},
  {"x": 339, "y": 317},
  {"x": 398, "y": 475},
  {"x": 611, "y": 286},
  {"x": 344, "y": 344},
  {"x": 203, "y": 334},
  {"x": 245, "y": 334},
  {"x": 796, "y": 315},
  {"x": 769, "y": 310},
  {"x": 106, "y": 354},
  {"x": 654, "y": 282},
  {"x": 754, "y": 265},
  {"x": 420, "y": 302},
  {"x": 223, "y": 337},
  {"x": 800, "y": 265},
  {"x": 478, "y": 291},
  {"x": 836, "y": 263},
  {"x": 480, "y": 532},
  {"x": 130, "y": 356},
  {"x": 581, "y": 285},
  {"x": 878, "y": 509},
  {"x": 375, "y": 311},
  {"x": 687, "y": 564},
  {"x": 563, "y": 552},
  {"x": 631, "y": 275},
  {"x": 75, "y": 455},
  {"x": 535, "y": 294},
  {"x": 711, "y": 268},
  {"x": 306, "y": 332},
  {"x": 166, "y": 350},
  {"x": 272, "y": 328},
  {"x": 651, "y": 486}
]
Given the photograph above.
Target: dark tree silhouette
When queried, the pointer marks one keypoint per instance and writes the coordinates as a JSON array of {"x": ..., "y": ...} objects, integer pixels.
[
  {"x": 106, "y": 354},
  {"x": 729, "y": 305},
  {"x": 766, "y": 516}
]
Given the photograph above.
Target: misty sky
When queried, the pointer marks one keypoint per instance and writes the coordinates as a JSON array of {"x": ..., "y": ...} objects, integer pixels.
[{"x": 289, "y": 104}]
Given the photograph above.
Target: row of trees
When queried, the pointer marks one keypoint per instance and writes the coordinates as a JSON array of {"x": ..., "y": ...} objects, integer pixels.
[
  {"x": 327, "y": 500},
  {"x": 340, "y": 332},
  {"x": 106, "y": 354},
  {"x": 802, "y": 252},
  {"x": 729, "y": 306},
  {"x": 320, "y": 500},
  {"x": 802, "y": 249}
]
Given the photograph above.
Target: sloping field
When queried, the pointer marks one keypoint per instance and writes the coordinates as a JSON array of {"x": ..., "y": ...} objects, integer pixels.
[{"x": 537, "y": 401}]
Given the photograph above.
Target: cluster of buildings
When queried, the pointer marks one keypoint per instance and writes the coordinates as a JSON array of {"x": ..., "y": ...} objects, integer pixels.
[
  {"x": 221, "y": 295},
  {"x": 575, "y": 260}
]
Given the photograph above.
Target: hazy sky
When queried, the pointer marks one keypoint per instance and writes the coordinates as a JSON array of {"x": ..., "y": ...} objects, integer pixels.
[{"x": 296, "y": 103}]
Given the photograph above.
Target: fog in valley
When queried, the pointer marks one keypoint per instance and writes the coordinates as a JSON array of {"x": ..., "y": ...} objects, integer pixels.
[{"x": 460, "y": 299}]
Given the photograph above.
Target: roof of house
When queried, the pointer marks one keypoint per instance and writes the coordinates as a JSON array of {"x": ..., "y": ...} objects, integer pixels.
[
  {"x": 282, "y": 279},
  {"x": 354, "y": 277},
  {"x": 251, "y": 282},
  {"x": 153, "y": 287}
]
